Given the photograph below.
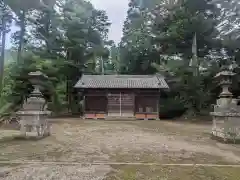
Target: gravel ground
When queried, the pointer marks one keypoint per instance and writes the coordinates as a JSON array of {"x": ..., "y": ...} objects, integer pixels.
[
  {"x": 104, "y": 141},
  {"x": 37, "y": 172}
]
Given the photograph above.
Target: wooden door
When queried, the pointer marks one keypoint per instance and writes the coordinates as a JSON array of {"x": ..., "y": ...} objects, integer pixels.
[
  {"x": 127, "y": 105},
  {"x": 114, "y": 105},
  {"x": 121, "y": 105}
]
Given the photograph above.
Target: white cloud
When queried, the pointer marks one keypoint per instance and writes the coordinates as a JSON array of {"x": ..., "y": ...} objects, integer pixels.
[{"x": 116, "y": 11}]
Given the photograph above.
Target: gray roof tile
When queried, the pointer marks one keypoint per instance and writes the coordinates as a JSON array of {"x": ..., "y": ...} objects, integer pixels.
[{"x": 122, "y": 81}]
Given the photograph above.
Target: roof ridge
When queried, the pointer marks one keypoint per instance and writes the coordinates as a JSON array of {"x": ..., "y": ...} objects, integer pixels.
[
  {"x": 133, "y": 75},
  {"x": 122, "y": 81}
]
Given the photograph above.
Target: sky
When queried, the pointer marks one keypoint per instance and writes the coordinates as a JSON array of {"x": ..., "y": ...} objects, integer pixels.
[{"x": 116, "y": 11}]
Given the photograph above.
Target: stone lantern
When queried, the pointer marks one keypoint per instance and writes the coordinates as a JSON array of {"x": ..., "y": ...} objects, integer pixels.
[
  {"x": 225, "y": 78},
  {"x": 226, "y": 114},
  {"x": 33, "y": 115}
]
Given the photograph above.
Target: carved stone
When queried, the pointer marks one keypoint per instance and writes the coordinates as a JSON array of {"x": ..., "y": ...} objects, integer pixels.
[
  {"x": 226, "y": 115},
  {"x": 33, "y": 115}
]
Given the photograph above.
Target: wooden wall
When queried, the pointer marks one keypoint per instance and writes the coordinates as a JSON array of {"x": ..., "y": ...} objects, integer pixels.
[
  {"x": 122, "y": 102},
  {"x": 96, "y": 104},
  {"x": 147, "y": 104}
]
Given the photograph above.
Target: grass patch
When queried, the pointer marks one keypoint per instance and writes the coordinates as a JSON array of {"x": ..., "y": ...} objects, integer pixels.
[
  {"x": 8, "y": 134},
  {"x": 167, "y": 158},
  {"x": 172, "y": 173},
  {"x": 188, "y": 130},
  {"x": 16, "y": 147}
]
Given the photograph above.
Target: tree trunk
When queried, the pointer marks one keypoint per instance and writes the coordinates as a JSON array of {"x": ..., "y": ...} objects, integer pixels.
[
  {"x": 22, "y": 33},
  {"x": 2, "y": 53},
  {"x": 47, "y": 30}
]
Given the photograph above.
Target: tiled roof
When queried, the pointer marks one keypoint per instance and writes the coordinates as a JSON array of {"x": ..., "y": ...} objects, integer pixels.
[{"x": 122, "y": 81}]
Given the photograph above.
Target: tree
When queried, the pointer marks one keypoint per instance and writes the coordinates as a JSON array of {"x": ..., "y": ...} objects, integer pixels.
[
  {"x": 84, "y": 32},
  {"x": 21, "y": 10},
  {"x": 229, "y": 28},
  {"x": 65, "y": 40},
  {"x": 230, "y": 18},
  {"x": 136, "y": 42},
  {"x": 5, "y": 21},
  {"x": 159, "y": 38}
]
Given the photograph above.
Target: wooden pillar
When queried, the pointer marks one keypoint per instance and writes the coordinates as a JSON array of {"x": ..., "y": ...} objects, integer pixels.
[
  {"x": 134, "y": 104},
  {"x": 84, "y": 105},
  {"x": 158, "y": 107},
  {"x": 158, "y": 103},
  {"x": 106, "y": 94},
  {"x": 105, "y": 104}
]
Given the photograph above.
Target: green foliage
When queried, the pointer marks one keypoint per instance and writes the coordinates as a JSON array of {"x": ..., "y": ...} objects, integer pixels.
[
  {"x": 17, "y": 85},
  {"x": 10, "y": 56},
  {"x": 188, "y": 92},
  {"x": 62, "y": 43},
  {"x": 68, "y": 38},
  {"x": 158, "y": 37}
]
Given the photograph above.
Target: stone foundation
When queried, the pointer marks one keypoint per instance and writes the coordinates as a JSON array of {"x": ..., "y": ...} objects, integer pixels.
[
  {"x": 226, "y": 127},
  {"x": 35, "y": 122}
]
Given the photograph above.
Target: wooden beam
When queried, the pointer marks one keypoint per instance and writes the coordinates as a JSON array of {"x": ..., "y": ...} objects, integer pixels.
[{"x": 90, "y": 95}]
